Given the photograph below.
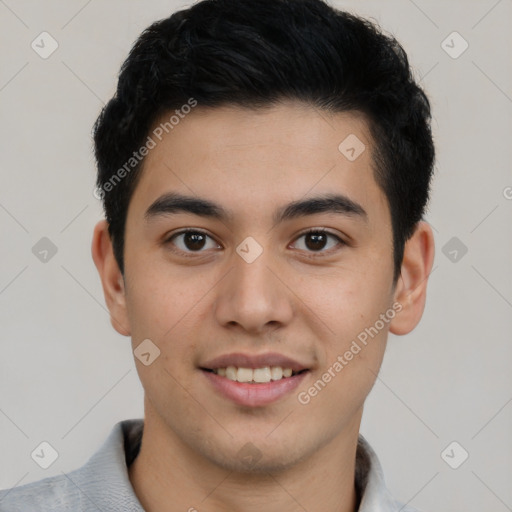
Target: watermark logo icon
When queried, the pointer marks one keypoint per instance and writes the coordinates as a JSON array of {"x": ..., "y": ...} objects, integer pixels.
[
  {"x": 249, "y": 249},
  {"x": 44, "y": 45},
  {"x": 454, "y": 45},
  {"x": 146, "y": 352},
  {"x": 249, "y": 455},
  {"x": 351, "y": 147},
  {"x": 44, "y": 250},
  {"x": 454, "y": 455},
  {"x": 454, "y": 250},
  {"x": 44, "y": 455}
]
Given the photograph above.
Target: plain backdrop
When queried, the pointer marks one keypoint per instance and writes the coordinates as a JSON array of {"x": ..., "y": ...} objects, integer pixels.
[{"x": 66, "y": 376}]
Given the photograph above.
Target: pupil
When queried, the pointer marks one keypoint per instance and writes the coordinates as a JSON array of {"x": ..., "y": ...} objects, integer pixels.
[
  {"x": 194, "y": 240},
  {"x": 318, "y": 241}
]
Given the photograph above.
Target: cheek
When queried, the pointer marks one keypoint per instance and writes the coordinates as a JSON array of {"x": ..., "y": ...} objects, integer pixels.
[
  {"x": 161, "y": 304},
  {"x": 171, "y": 308},
  {"x": 352, "y": 348},
  {"x": 354, "y": 339},
  {"x": 346, "y": 301}
]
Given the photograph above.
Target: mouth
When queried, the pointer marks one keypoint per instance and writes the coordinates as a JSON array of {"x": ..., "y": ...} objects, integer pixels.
[
  {"x": 254, "y": 381},
  {"x": 262, "y": 375}
]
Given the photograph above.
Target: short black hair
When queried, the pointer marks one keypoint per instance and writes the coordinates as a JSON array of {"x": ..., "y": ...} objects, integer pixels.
[{"x": 254, "y": 54}]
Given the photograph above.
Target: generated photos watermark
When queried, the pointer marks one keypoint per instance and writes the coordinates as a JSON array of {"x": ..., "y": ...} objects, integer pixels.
[
  {"x": 151, "y": 142},
  {"x": 305, "y": 397}
]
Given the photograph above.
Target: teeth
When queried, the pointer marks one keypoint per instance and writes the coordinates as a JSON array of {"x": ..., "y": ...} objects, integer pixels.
[
  {"x": 244, "y": 375},
  {"x": 276, "y": 372},
  {"x": 259, "y": 375},
  {"x": 231, "y": 373}
]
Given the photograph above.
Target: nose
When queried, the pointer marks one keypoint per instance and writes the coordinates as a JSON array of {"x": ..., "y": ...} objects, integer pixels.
[{"x": 252, "y": 297}]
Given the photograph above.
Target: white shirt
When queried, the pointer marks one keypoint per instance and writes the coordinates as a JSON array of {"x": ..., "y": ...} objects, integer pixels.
[{"x": 102, "y": 483}]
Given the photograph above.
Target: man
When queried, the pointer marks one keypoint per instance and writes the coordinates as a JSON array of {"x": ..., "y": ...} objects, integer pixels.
[{"x": 264, "y": 168}]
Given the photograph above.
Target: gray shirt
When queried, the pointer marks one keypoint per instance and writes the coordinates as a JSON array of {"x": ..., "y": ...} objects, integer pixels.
[{"x": 102, "y": 483}]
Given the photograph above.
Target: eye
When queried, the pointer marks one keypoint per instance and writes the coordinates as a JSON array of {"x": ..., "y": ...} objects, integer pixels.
[
  {"x": 189, "y": 240},
  {"x": 316, "y": 240}
]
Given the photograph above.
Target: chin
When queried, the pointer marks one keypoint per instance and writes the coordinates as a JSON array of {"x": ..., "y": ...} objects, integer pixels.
[
  {"x": 261, "y": 466},
  {"x": 254, "y": 459}
]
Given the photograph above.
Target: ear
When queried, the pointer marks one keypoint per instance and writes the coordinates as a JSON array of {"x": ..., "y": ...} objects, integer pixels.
[
  {"x": 411, "y": 287},
  {"x": 111, "y": 278}
]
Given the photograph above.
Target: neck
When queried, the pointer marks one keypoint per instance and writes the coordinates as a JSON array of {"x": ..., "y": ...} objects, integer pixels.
[{"x": 168, "y": 472}]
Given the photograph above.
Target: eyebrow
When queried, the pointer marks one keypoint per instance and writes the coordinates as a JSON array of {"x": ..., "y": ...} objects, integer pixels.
[{"x": 172, "y": 203}]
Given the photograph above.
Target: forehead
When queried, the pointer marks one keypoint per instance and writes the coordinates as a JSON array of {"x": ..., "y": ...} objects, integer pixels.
[{"x": 249, "y": 159}]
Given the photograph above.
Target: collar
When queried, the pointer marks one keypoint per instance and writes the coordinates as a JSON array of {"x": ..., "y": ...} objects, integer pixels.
[{"x": 108, "y": 468}]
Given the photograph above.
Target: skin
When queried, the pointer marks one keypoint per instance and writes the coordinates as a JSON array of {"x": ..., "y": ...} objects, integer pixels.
[{"x": 214, "y": 302}]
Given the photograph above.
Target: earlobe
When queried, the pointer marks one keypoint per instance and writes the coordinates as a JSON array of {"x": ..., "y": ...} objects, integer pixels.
[
  {"x": 111, "y": 278},
  {"x": 411, "y": 288}
]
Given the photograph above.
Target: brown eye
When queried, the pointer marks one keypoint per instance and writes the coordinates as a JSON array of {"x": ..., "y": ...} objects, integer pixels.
[
  {"x": 192, "y": 241},
  {"x": 318, "y": 240}
]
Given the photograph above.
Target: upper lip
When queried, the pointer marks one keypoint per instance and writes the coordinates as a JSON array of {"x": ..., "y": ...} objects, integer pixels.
[{"x": 253, "y": 361}]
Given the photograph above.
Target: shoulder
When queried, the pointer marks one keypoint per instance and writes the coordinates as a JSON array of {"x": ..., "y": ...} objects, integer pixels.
[
  {"x": 399, "y": 507},
  {"x": 375, "y": 496},
  {"x": 102, "y": 483},
  {"x": 56, "y": 493}
]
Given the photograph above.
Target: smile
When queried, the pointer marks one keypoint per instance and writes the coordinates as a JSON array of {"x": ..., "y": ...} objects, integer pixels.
[
  {"x": 255, "y": 375},
  {"x": 252, "y": 393}
]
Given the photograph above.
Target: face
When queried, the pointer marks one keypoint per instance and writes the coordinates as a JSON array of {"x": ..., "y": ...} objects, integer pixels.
[{"x": 230, "y": 277}]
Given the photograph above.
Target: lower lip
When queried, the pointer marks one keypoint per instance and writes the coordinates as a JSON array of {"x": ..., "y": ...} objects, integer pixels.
[{"x": 254, "y": 395}]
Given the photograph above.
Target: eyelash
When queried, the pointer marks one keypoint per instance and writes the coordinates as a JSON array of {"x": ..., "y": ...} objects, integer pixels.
[
  {"x": 311, "y": 254},
  {"x": 321, "y": 253}
]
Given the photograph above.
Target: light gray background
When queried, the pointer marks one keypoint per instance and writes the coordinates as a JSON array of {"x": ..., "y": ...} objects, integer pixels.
[{"x": 66, "y": 376}]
